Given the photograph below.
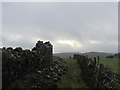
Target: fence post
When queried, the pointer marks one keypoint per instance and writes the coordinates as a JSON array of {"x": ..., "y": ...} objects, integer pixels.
[
  {"x": 97, "y": 73},
  {"x": 98, "y": 59}
]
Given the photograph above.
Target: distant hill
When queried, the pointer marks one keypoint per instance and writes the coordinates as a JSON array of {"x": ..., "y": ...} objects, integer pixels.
[
  {"x": 89, "y": 54},
  {"x": 64, "y": 55},
  {"x": 100, "y": 54}
]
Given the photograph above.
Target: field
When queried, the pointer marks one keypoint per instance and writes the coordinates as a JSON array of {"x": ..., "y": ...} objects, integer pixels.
[
  {"x": 111, "y": 63},
  {"x": 72, "y": 78}
]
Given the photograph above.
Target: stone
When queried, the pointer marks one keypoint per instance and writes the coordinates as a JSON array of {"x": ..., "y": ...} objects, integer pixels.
[
  {"x": 18, "y": 62},
  {"x": 89, "y": 68}
]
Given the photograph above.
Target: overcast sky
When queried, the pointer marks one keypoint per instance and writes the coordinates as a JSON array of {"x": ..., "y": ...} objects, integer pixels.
[{"x": 70, "y": 27}]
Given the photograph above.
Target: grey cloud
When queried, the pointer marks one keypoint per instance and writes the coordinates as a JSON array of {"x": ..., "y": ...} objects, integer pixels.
[{"x": 81, "y": 22}]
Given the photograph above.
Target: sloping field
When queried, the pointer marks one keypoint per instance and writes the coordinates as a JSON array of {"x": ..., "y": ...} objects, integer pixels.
[{"x": 111, "y": 63}]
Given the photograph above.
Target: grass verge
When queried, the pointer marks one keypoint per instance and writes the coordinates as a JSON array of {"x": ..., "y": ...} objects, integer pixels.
[{"x": 72, "y": 78}]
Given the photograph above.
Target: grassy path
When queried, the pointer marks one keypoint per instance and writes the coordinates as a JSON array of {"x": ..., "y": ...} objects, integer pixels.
[{"x": 72, "y": 79}]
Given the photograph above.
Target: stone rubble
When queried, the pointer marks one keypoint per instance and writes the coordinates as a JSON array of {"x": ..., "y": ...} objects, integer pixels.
[{"x": 44, "y": 70}]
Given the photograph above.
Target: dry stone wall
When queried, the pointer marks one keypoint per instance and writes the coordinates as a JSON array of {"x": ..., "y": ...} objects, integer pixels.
[
  {"x": 18, "y": 62},
  {"x": 97, "y": 75}
]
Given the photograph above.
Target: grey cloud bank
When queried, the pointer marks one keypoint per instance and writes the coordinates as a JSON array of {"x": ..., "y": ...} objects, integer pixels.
[{"x": 70, "y": 27}]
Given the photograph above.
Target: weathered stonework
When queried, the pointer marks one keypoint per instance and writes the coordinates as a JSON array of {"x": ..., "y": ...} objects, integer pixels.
[
  {"x": 18, "y": 62},
  {"x": 97, "y": 75}
]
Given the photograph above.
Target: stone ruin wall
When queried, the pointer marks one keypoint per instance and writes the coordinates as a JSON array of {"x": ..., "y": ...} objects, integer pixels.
[
  {"x": 17, "y": 62},
  {"x": 97, "y": 75}
]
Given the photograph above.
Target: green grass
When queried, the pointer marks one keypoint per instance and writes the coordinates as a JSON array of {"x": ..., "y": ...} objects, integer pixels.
[
  {"x": 111, "y": 63},
  {"x": 72, "y": 78}
]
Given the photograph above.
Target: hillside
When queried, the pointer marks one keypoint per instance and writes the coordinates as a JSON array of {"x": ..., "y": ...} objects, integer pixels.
[
  {"x": 64, "y": 55},
  {"x": 95, "y": 54},
  {"x": 89, "y": 54}
]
